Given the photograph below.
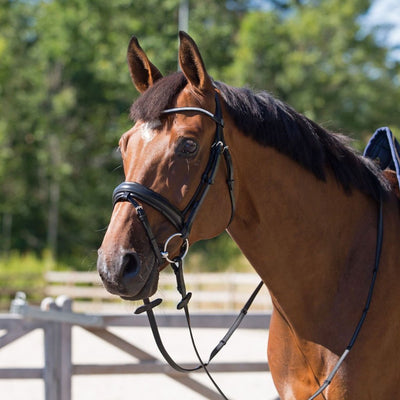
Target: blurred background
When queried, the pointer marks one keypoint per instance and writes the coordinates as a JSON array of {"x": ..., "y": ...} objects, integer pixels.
[{"x": 65, "y": 93}]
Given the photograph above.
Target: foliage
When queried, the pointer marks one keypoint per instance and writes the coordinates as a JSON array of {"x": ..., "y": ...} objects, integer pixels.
[
  {"x": 65, "y": 93},
  {"x": 22, "y": 272},
  {"x": 315, "y": 59},
  {"x": 219, "y": 254}
]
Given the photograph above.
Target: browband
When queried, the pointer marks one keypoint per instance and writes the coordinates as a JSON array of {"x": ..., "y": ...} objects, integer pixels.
[{"x": 219, "y": 121}]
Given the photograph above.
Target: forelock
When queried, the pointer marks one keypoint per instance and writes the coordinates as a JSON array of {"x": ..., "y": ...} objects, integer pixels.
[{"x": 159, "y": 97}]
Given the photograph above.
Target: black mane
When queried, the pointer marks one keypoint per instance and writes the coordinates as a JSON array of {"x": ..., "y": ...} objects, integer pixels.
[{"x": 271, "y": 122}]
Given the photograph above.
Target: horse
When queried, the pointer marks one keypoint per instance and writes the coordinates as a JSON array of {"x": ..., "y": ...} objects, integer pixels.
[{"x": 302, "y": 206}]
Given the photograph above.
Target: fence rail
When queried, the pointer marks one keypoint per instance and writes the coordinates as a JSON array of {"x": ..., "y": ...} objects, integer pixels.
[
  {"x": 223, "y": 291},
  {"x": 216, "y": 291},
  {"x": 56, "y": 319}
]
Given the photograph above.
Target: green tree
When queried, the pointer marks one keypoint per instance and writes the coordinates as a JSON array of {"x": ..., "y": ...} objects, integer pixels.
[
  {"x": 315, "y": 58},
  {"x": 65, "y": 95}
]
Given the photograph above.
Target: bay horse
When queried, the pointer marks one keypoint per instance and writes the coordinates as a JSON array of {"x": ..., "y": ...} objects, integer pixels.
[{"x": 303, "y": 209}]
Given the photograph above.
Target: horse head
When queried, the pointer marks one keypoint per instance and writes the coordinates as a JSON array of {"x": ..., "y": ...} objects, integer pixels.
[{"x": 166, "y": 158}]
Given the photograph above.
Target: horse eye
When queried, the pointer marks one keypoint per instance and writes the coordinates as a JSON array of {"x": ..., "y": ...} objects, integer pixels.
[{"x": 188, "y": 147}]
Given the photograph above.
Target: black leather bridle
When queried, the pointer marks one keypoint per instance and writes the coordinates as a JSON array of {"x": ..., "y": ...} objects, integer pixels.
[{"x": 182, "y": 220}]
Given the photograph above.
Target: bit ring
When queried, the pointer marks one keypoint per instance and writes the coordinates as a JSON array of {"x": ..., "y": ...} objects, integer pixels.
[{"x": 184, "y": 247}]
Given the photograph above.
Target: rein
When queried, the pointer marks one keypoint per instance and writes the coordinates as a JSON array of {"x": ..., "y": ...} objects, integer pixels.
[
  {"x": 378, "y": 250},
  {"x": 183, "y": 222}
]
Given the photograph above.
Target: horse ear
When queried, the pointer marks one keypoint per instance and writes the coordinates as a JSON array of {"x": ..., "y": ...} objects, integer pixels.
[
  {"x": 192, "y": 64},
  {"x": 143, "y": 72}
]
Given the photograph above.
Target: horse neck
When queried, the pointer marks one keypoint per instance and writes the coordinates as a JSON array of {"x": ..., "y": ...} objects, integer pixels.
[{"x": 302, "y": 235}]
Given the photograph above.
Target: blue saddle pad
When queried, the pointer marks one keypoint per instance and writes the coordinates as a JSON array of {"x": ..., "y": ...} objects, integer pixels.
[{"x": 384, "y": 149}]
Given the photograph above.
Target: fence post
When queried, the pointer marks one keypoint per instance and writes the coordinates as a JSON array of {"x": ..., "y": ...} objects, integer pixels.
[
  {"x": 64, "y": 304},
  {"x": 51, "y": 381},
  {"x": 57, "y": 352}
]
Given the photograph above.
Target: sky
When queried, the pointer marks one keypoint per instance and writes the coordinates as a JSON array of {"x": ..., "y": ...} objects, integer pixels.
[{"x": 386, "y": 12}]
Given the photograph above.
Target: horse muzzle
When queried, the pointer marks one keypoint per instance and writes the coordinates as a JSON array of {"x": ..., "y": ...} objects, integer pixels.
[{"x": 127, "y": 275}]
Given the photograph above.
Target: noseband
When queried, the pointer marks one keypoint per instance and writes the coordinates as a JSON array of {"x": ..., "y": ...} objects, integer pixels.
[{"x": 182, "y": 220}]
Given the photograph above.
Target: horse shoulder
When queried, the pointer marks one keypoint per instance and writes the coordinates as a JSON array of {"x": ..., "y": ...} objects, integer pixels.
[{"x": 290, "y": 371}]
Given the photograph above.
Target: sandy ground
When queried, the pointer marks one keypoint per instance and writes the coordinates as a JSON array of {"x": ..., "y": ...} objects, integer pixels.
[{"x": 245, "y": 345}]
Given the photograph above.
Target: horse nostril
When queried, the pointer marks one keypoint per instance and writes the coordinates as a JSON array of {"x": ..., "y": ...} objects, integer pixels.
[{"x": 130, "y": 265}]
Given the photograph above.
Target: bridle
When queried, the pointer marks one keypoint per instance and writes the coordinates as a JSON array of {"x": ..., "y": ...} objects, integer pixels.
[{"x": 183, "y": 221}]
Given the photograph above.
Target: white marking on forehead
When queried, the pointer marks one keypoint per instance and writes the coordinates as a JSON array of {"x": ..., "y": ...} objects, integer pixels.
[{"x": 147, "y": 131}]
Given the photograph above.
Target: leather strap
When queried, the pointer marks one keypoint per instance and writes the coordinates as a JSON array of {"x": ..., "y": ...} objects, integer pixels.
[
  {"x": 148, "y": 308},
  {"x": 146, "y": 225},
  {"x": 183, "y": 220},
  {"x": 216, "y": 118},
  {"x": 148, "y": 196},
  {"x": 378, "y": 251}
]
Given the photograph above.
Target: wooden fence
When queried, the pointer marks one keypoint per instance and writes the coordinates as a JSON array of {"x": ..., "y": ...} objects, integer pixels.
[
  {"x": 56, "y": 319},
  {"x": 216, "y": 291}
]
